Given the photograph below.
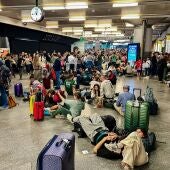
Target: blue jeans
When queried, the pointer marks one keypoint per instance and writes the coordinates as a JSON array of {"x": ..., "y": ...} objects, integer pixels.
[
  {"x": 3, "y": 97},
  {"x": 58, "y": 79}
]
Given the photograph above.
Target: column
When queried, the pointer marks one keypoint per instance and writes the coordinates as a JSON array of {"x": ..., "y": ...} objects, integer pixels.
[{"x": 143, "y": 35}]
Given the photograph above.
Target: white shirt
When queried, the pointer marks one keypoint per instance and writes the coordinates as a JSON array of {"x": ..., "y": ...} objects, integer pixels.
[
  {"x": 148, "y": 64},
  {"x": 106, "y": 89},
  {"x": 71, "y": 59}
]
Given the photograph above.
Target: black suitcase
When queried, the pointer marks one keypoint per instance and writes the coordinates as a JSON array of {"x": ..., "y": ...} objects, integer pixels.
[{"x": 58, "y": 154}]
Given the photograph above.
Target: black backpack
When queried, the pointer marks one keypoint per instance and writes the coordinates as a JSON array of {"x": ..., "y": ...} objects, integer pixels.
[{"x": 149, "y": 142}]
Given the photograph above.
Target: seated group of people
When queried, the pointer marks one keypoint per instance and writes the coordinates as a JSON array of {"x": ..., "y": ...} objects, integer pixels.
[{"x": 108, "y": 144}]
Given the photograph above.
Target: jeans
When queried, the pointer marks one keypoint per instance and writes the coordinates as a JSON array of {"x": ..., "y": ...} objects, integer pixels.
[
  {"x": 58, "y": 79},
  {"x": 3, "y": 97}
]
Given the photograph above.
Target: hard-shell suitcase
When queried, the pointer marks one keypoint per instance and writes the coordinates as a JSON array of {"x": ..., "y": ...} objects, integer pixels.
[
  {"x": 58, "y": 154},
  {"x": 38, "y": 111},
  {"x": 32, "y": 100},
  {"x": 18, "y": 90},
  {"x": 136, "y": 115}
]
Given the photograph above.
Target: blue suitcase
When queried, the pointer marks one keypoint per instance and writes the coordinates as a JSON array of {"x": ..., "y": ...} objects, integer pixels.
[{"x": 58, "y": 154}]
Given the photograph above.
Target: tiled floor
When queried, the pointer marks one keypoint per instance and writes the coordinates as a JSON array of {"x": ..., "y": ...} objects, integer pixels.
[{"x": 21, "y": 139}]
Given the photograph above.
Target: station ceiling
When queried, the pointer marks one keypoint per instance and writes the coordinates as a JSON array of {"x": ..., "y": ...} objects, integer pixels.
[{"x": 155, "y": 12}]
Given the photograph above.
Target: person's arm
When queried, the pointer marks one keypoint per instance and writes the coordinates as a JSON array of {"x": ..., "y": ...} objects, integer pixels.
[
  {"x": 119, "y": 101},
  {"x": 99, "y": 145},
  {"x": 61, "y": 97},
  {"x": 101, "y": 90}
]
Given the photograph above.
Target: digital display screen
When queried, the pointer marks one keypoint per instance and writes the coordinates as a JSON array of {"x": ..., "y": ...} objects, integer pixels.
[{"x": 133, "y": 51}]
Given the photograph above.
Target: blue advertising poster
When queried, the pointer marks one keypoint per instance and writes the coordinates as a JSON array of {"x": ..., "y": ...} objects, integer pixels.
[{"x": 133, "y": 51}]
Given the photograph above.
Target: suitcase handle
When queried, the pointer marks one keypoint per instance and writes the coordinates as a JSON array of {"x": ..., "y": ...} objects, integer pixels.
[
  {"x": 137, "y": 89},
  {"x": 66, "y": 144}
]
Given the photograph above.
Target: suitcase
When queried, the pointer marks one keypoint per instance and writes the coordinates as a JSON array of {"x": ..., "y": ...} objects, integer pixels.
[
  {"x": 58, "y": 154},
  {"x": 32, "y": 100},
  {"x": 136, "y": 115},
  {"x": 38, "y": 111},
  {"x": 18, "y": 90},
  {"x": 47, "y": 83}
]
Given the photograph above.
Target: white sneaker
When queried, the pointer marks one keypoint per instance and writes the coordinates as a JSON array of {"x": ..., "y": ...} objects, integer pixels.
[{"x": 70, "y": 118}]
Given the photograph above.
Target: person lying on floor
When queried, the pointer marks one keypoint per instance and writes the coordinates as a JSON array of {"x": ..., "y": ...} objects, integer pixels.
[
  {"x": 69, "y": 108},
  {"x": 120, "y": 104},
  {"x": 127, "y": 145},
  {"x": 131, "y": 149}
]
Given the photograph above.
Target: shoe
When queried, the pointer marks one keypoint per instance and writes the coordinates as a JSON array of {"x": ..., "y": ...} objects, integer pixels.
[
  {"x": 126, "y": 167},
  {"x": 70, "y": 118}
]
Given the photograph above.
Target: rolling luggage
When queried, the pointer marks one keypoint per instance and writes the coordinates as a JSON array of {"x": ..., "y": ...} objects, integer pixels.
[
  {"x": 136, "y": 115},
  {"x": 31, "y": 104},
  {"x": 18, "y": 90},
  {"x": 58, "y": 154},
  {"x": 38, "y": 111}
]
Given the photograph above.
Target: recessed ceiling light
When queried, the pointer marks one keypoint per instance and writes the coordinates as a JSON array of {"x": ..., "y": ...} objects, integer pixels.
[
  {"x": 125, "y": 4},
  {"x": 135, "y": 16}
]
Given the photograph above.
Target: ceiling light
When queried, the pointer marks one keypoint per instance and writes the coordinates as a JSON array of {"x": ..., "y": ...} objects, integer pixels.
[
  {"x": 129, "y": 25},
  {"x": 76, "y": 5},
  {"x": 77, "y": 18},
  {"x": 90, "y": 24},
  {"x": 52, "y": 24},
  {"x": 0, "y": 9},
  {"x": 125, "y": 4},
  {"x": 120, "y": 35},
  {"x": 77, "y": 33},
  {"x": 53, "y": 8},
  {"x": 27, "y": 20},
  {"x": 125, "y": 40},
  {"x": 111, "y": 33},
  {"x": 104, "y": 23},
  {"x": 130, "y": 16},
  {"x": 67, "y": 29},
  {"x": 77, "y": 29},
  {"x": 87, "y": 32}
]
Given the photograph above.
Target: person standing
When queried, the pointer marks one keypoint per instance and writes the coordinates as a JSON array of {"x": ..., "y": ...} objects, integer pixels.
[
  {"x": 37, "y": 67},
  {"x": 20, "y": 65},
  {"x": 57, "y": 69}
]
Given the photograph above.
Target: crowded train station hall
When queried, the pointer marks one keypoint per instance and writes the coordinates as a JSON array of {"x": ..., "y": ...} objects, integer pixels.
[{"x": 84, "y": 84}]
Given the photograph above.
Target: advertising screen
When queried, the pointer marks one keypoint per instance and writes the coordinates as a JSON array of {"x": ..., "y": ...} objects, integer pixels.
[{"x": 133, "y": 53}]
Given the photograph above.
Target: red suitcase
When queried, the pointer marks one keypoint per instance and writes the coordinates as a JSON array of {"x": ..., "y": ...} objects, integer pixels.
[{"x": 38, "y": 111}]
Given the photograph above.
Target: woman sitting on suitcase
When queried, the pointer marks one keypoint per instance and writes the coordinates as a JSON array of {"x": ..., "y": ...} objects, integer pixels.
[{"x": 69, "y": 108}]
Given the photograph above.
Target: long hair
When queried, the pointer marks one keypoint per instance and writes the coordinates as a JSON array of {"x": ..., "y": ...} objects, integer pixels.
[{"x": 98, "y": 91}]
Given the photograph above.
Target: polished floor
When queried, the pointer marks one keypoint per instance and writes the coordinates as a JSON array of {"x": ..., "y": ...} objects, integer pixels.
[{"x": 21, "y": 139}]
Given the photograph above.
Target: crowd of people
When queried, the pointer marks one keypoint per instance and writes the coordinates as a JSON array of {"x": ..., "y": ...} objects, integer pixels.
[{"x": 98, "y": 71}]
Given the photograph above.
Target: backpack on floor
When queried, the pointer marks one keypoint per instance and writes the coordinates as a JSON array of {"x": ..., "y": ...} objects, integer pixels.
[
  {"x": 149, "y": 142},
  {"x": 11, "y": 102}
]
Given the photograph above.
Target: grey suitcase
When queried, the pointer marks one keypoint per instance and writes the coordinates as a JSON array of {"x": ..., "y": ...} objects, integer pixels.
[{"x": 58, "y": 154}]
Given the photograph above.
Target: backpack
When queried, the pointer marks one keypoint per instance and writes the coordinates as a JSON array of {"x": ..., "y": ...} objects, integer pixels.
[
  {"x": 11, "y": 102},
  {"x": 4, "y": 75},
  {"x": 149, "y": 96},
  {"x": 149, "y": 142}
]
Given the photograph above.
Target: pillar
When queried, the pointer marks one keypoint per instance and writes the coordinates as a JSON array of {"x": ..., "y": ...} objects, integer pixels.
[{"x": 143, "y": 35}]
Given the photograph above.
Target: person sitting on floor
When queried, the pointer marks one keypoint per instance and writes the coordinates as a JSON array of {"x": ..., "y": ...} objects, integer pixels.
[
  {"x": 120, "y": 104},
  {"x": 95, "y": 96},
  {"x": 112, "y": 77},
  {"x": 94, "y": 82},
  {"x": 106, "y": 88},
  {"x": 69, "y": 108}
]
